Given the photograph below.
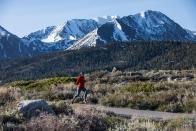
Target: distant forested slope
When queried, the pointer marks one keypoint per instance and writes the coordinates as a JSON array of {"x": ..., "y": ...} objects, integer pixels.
[{"x": 130, "y": 55}]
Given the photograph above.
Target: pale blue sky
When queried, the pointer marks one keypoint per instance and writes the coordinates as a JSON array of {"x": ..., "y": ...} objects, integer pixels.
[{"x": 24, "y": 16}]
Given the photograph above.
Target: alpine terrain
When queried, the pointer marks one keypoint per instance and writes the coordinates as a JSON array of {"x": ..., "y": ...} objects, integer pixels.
[{"x": 78, "y": 33}]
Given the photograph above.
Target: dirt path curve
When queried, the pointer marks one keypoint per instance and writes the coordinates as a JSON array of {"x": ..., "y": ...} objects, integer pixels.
[{"x": 134, "y": 113}]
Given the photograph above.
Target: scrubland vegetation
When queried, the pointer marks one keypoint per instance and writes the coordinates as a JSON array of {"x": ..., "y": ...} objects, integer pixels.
[{"x": 168, "y": 91}]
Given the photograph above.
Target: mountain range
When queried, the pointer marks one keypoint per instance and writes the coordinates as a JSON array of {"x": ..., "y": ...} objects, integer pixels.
[{"x": 79, "y": 33}]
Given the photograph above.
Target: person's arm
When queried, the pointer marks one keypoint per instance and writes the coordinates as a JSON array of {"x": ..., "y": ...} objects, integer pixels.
[
  {"x": 84, "y": 80},
  {"x": 78, "y": 80}
]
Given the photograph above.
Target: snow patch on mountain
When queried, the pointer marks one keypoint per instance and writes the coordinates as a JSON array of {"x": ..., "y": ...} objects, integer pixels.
[
  {"x": 72, "y": 37},
  {"x": 40, "y": 34},
  {"x": 119, "y": 35},
  {"x": 88, "y": 41},
  {"x": 105, "y": 19},
  {"x": 54, "y": 35},
  {"x": 192, "y": 34},
  {"x": 142, "y": 14},
  {"x": 3, "y": 32},
  {"x": 52, "y": 38}
]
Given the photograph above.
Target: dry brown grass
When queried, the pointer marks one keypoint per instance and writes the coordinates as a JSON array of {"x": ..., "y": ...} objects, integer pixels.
[
  {"x": 3, "y": 90},
  {"x": 6, "y": 96},
  {"x": 45, "y": 122}
]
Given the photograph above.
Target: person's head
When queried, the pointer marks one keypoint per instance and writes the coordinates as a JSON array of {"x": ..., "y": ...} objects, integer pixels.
[{"x": 81, "y": 74}]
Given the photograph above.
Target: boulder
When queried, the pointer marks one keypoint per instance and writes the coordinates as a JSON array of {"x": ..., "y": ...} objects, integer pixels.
[{"x": 31, "y": 108}]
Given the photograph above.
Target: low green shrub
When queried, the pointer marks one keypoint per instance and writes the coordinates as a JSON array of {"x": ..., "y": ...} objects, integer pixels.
[
  {"x": 57, "y": 96},
  {"x": 113, "y": 120},
  {"x": 61, "y": 107},
  {"x": 176, "y": 123},
  {"x": 43, "y": 84},
  {"x": 176, "y": 107},
  {"x": 117, "y": 100},
  {"x": 190, "y": 106},
  {"x": 145, "y": 101}
]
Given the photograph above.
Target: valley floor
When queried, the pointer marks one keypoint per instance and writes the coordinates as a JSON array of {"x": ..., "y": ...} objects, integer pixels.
[{"x": 130, "y": 100}]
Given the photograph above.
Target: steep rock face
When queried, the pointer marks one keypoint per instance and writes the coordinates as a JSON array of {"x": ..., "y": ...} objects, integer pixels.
[{"x": 11, "y": 46}]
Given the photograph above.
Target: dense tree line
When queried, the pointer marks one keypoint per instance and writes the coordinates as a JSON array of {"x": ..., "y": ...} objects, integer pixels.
[{"x": 129, "y": 56}]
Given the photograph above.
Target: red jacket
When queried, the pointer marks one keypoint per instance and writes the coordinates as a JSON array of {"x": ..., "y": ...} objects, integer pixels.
[{"x": 80, "y": 81}]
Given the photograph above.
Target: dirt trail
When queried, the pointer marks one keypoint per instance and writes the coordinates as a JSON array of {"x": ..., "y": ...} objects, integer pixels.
[{"x": 134, "y": 113}]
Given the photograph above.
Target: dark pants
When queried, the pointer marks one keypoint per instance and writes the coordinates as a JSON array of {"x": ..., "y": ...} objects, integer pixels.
[{"x": 79, "y": 91}]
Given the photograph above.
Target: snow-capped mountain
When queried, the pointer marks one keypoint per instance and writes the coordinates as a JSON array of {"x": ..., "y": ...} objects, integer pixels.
[
  {"x": 154, "y": 25},
  {"x": 49, "y": 39},
  {"x": 62, "y": 36},
  {"x": 149, "y": 25},
  {"x": 78, "y": 33},
  {"x": 71, "y": 30},
  {"x": 111, "y": 31}
]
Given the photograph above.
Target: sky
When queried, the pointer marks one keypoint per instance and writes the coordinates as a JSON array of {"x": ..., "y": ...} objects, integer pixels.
[{"x": 22, "y": 17}]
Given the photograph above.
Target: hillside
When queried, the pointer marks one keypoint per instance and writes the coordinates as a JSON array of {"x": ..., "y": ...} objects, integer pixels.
[
  {"x": 123, "y": 56},
  {"x": 146, "y": 100}
]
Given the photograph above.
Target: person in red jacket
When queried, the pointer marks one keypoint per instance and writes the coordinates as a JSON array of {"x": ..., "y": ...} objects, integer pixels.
[{"x": 80, "y": 87}]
